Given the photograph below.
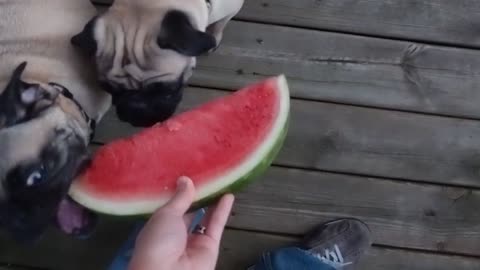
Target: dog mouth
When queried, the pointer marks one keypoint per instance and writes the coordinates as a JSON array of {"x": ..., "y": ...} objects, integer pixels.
[{"x": 75, "y": 220}]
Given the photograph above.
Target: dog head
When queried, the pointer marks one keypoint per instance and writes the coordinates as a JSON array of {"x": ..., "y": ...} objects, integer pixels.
[
  {"x": 144, "y": 53},
  {"x": 43, "y": 145}
]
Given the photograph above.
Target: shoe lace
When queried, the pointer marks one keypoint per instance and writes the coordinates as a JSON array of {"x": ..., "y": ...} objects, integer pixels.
[{"x": 333, "y": 258}]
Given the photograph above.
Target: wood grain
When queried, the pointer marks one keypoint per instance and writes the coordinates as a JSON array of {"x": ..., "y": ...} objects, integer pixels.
[
  {"x": 403, "y": 215},
  {"x": 347, "y": 69},
  {"x": 443, "y": 21},
  {"x": 363, "y": 141}
]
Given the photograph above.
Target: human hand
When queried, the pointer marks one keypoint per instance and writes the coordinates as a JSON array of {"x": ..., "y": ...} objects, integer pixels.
[{"x": 165, "y": 242}]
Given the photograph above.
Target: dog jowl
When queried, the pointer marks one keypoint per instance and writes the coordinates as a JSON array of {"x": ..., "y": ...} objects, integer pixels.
[
  {"x": 145, "y": 51},
  {"x": 43, "y": 145}
]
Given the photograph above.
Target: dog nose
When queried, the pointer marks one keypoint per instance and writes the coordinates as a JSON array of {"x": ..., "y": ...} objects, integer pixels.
[
  {"x": 162, "y": 90},
  {"x": 146, "y": 108}
]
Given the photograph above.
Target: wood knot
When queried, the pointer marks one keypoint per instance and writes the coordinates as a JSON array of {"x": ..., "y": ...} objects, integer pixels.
[
  {"x": 456, "y": 194},
  {"x": 430, "y": 213}
]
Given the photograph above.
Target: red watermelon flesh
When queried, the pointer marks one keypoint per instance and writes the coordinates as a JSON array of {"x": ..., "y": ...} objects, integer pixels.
[{"x": 218, "y": 145}]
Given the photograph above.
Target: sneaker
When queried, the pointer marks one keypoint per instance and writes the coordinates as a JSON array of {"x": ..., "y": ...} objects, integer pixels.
[{"x": 339, "y": 243}]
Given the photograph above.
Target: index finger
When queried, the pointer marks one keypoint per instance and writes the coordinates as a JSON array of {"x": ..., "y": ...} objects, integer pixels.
[{"x": 183, "y": 198}]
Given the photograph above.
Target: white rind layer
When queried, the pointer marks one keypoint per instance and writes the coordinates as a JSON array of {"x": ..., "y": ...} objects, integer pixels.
[{"x": 127, "y": 208}]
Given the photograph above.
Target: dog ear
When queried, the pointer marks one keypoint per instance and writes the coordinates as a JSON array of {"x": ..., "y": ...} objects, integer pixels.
[
  {"x": 85, "y": 40},
  {"x": 177, "y": 33},
  {"x": 18, "y": 97},
  {"x": 21, "y": 92}
]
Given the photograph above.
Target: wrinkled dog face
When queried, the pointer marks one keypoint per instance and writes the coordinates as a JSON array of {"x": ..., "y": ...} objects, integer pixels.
[
  {"x": 145, "y": 52},
  {"x": 43, "y": 145}
]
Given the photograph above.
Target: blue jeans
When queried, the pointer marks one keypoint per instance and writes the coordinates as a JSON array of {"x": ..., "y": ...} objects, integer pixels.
[
  {"x": 291, "y": 258},
  {"x": 282, "y": 259}
]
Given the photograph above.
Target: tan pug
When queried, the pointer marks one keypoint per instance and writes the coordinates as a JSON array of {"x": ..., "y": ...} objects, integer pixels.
[
  {"x": 145, "y": 51},
  {"x": 44, "y": 128}
]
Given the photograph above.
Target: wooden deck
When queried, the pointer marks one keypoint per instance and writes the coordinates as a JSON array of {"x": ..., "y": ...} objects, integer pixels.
[{"x": 385, "y": 128}]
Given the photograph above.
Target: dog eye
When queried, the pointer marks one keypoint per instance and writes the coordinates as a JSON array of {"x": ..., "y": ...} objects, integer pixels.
[{"x": 36, "y": 177}]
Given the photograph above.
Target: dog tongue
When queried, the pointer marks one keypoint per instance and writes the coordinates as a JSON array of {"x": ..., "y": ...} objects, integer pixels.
[{"x": 75, "y": 220}]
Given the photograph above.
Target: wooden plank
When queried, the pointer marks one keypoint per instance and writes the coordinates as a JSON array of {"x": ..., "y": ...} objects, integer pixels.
[
  {"x": 348, "y": 69},
  {"x": 59, "y": 252},
  {"x": 441, "y": 21},
  {"x": 241, "y": 249},
  {"x": 444, "y": 21},
  {"x": 364, "y": 141},
  {"x": 405, "y": 215}
]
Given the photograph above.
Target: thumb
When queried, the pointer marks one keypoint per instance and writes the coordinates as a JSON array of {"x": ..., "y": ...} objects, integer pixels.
[{"x": 183, "y": 198}]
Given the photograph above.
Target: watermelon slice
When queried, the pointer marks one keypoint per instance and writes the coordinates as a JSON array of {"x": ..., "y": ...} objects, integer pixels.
[{"x": 221, "y": 145}]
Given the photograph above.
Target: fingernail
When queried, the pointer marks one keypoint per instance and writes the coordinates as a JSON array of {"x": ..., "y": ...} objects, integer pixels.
[{"x": 182, "y": 183}]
